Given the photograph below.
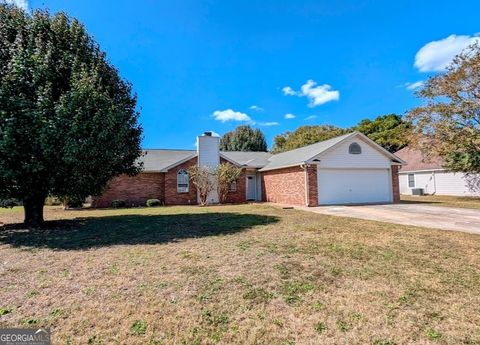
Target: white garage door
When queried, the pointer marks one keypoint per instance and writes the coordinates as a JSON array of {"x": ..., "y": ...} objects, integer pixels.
[{"x": 349, "y": 186}]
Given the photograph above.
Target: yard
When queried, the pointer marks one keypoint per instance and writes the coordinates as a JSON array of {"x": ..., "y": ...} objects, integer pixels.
[
  {"x": 444, "y": 200},
  {"x": 245, "y": 274}
]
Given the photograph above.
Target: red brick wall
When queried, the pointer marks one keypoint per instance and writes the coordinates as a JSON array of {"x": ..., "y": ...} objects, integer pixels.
[
  {"x": 284, "y": 186},
  {"x": 312, "y": 185},
  {"x": 134, "y": 190},
  {"x": 172, "y": 197},
  {"x": 240, "y": 195},
  {"x": 395, "y": 184}
]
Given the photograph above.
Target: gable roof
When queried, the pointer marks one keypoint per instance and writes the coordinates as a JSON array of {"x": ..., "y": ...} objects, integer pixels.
[
  {"x": 304, "y": 154},
  {"x": 301, "y": 155},
  {"x": 158, "y": 160},
  {"x": 247, "y": 159},
  {"x": 417, "y": 161},
  {"x": 161, "y": 160},
  {"x": 155, "y": 160}
]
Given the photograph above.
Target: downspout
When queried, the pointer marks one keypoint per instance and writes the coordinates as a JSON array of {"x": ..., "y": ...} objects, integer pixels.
[
  {"x": 434, "y": 183},
  {"x": 307, "y": 196}
]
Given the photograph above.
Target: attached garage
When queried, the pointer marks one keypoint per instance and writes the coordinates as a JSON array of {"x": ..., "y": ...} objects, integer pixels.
[
  {"x": 350, "y": 169},
  {"x": 353, "y": 186}
]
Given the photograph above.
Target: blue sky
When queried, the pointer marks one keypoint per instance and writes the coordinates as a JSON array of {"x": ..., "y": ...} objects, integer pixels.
[{"x": 213, "y": 65}]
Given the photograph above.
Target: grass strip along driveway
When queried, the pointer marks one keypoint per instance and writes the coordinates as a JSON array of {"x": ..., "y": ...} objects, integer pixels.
[
  {"x": 443, "y": 200},
  {"x": 245, "y": 274}
]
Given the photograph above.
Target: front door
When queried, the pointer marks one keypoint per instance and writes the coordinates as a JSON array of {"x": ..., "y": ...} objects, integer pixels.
[{"x": 251, "y": 187}]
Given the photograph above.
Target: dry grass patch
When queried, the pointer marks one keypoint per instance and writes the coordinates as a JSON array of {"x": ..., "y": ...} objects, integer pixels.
[
  {"x": 444, "y": 200},
  {"x": 248, "y": 274}
]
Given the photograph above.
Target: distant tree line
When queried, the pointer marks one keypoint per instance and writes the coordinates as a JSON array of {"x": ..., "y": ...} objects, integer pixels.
[{"x": 390, "y": 131}]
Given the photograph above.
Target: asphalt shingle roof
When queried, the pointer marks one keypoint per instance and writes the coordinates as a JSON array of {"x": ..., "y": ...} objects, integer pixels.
[
  {"x": 161, "y": 160},
  {"x": 302, "y": 154},
  {"x": 250, "y": 159},
  {"x": 417, "y": 161},
  {"x": 155, "y": 160}
]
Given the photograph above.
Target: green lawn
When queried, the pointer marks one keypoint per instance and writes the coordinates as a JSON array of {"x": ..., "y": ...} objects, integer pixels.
[
  {"x": 444, "y": 200},
  {"x": 245, "y": 274}
]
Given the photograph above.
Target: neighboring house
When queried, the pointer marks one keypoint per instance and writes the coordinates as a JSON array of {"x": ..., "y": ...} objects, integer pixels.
[
  {"x": 431, "y": 176},
  {"x": 344, "y": 170}
]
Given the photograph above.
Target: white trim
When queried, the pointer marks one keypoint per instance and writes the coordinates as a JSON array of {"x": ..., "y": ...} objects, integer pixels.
[
  {"x": 390, "y": 184},
  {"x": 282, "y": 167},
  {"x": 380, "y": 148},
  {"x": 368, "y": 141},
  {"x": 421, "y": 171}
]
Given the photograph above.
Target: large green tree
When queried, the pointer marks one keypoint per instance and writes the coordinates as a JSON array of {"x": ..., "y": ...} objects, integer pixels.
[
  {"x": 390, "y": 131},
  {"x": 305, "y": 135},
  {"x": 243, "y": 138},
  {"x": 68, "y": 122},
  {"x": 448, "y": 123}
]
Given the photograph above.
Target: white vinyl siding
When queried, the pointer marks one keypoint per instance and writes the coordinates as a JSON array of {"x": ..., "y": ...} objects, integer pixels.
[
  {"x": 448, "y": 183},
  {"x": 339, "y": 157},
  {"x": 438, "y": 182}
]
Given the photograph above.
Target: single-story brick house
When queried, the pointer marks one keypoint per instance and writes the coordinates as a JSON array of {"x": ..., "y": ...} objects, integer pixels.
[
  {"x": 344, "y": 170},
  {"x": 429, "y": 175}
]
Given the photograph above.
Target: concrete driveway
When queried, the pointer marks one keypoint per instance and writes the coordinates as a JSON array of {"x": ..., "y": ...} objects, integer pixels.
[{"x": 445, "y": 218}]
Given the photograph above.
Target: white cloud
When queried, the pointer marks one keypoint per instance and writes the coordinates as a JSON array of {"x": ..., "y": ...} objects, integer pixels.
[
  {"x": 435, "y": 56},
  {"x": 288, "y": 91},
  {"x": 317, "y": 95},
  {"x": 230, "y": 115},
  {"x": 311, "y": 117},
  {"x": 268, "y": 124},
  {"x": 289, "y": 116},
  {"x": 414, "y": 86},
  {"x": 256, "y": 108},
  {"x": 23, "y": 4}
]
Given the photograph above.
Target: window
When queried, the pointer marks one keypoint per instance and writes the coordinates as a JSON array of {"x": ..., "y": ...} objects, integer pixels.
[
  {"x": 232, "y": 187},
  {"x": 354, "y": 149},
  {"x": 182, "y": 181},
  {"x": 411, "y": 180}
]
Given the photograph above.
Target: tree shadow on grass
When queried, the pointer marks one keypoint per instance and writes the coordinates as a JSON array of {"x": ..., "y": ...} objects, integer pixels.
[{"x": 94, "y": 232}]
